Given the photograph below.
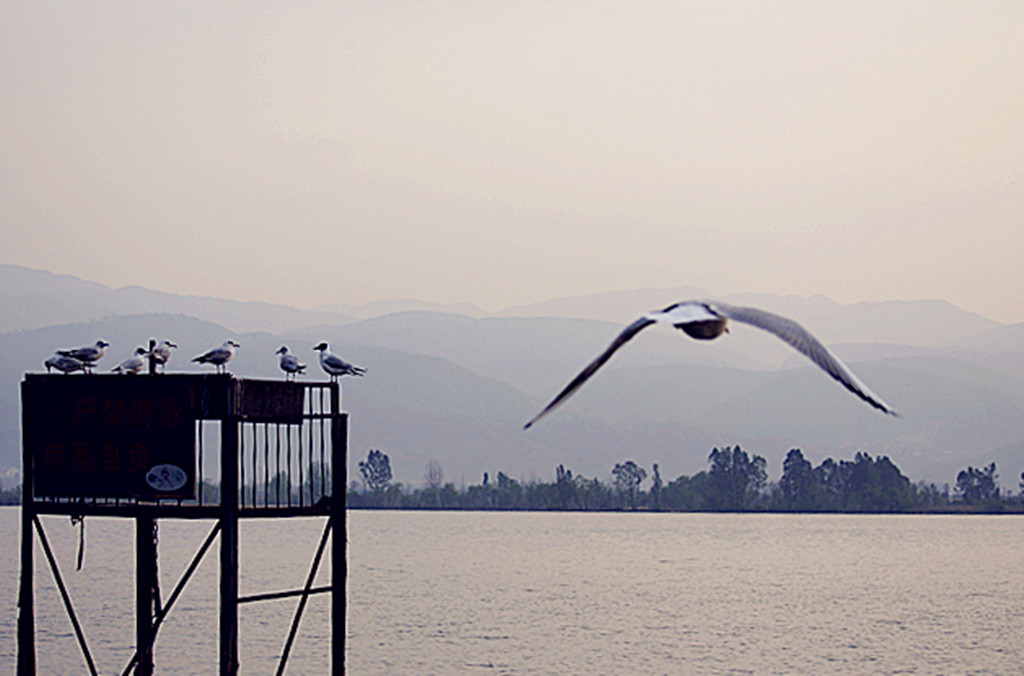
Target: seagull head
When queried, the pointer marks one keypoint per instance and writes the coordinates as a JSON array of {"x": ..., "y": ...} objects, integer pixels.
[
  {"x": 102, "y": 344},
  {"x": 170, "y": 344},
  {"x": 282, "y": 350},
  {"x": 231, "y": 343},
  {"x": 321, "y": 347}
]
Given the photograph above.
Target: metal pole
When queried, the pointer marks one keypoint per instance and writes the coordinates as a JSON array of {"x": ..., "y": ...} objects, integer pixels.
[
  {"x": 339, "y": 536},
  {"x": 229, "y": 537},
  {"x": 26, "y": 595},
  {"x": 145, "y": 591},
  {"x": 145, "y": 575}
]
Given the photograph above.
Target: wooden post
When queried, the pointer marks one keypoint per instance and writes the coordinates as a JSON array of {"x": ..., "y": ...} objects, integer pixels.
[
  {"x": 26, "y": 593},
  {"x": 339, "y": 538},
  {"x": 229, "y": 537},
  {"x": 152, "y": 357}
]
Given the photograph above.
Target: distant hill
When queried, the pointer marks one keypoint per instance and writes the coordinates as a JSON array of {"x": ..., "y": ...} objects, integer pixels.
[
  {"x": 32, "y": 299},
  {"x": 412, "y": 406},
  {"x": 384, "y": 307},
  {"x": 533, "y": 354},
  {"x": 923, "y": 323},
  {"x": 457, "y": 388}
]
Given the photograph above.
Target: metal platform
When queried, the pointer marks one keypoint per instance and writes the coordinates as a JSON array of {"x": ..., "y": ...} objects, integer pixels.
[{"x": 182, "y": 446}]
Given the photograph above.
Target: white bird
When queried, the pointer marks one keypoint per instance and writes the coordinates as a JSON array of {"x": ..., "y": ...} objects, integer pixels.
[
  {"x": 132, "y": 364},
  {"x": 88, "y": 355},
  {"x": 219, "y": 356},
  {"x": 63, "y": 364},
  {"x": 335, "y": 366},
  {"x": 162, "y": 353},
  {"x": 290, "y": 364},
  {"x": 706, "y": 320}
]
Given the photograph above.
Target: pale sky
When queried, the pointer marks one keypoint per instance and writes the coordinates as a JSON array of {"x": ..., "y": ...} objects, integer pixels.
[{"x": 501, "y": 153}]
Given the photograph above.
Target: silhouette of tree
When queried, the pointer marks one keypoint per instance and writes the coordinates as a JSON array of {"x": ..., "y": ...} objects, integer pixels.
[
  {"x": 433, "y": 475},
  {"x": 736, "y": 478},
  {"x": 376, "y": 471},
  {"x": 565, "y": 487},
  {"x": 978, "y": 486},
  {"x": 509, "y": 494},
  {"x": 656, "y": 488},
  {"x": 628, "y": 476},
  {"x": 798, "y": 486},
  {"x": 688, "y": 494}
]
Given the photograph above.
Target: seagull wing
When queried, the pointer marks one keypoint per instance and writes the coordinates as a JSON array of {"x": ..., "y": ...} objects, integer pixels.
[
  {"x": 89, "y": 353},
  {"x": 805, "y": 343},
  {"x": 335, "y": 363},
  {"x": 584, "y": 375},
  {"x": 213, "y": 356}
]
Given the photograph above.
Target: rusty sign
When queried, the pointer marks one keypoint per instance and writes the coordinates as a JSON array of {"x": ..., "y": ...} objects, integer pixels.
[
  {"x": 112, "y": 436},
  {"x": 269, "y": 401}
]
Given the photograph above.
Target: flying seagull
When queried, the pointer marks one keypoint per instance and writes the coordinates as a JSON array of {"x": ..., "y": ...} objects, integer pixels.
[
  {"x": 63, "y": 364},
  {"x": 335, "y": 366},
  {"x": 219, "y": 356},
  {"x": 133, "y": 364},
  {"x": 162, "y": 353},
  {"x": 290, "y": 364},
  {"x": 706, "y": 320},
  {"x": 88, "y": 355}
]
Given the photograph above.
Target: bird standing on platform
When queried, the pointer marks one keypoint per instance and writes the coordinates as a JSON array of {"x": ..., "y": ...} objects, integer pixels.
[
  {"x": 63, "y": 364},
  {"x": 290, "y": 364},
  {"x": 706, "y": 320},
  {"x": 88, "y": 355},
  {"x": 219, "y": 356},
  {"x": 133, "y": 364},
  {"x": 334, "y": 365},
  {"x": 162, "y": 353}
]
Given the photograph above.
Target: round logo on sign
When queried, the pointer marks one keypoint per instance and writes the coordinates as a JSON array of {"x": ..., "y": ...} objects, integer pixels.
[{"x": 166, "y": 478}]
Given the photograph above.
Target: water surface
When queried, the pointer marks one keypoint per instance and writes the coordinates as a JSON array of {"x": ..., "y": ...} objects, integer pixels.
[{"x": 565, "y": 593}]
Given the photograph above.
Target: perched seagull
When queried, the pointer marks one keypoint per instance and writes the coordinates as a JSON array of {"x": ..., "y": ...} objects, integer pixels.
[
  {"x": 63, "y": 364},
  {"x": 219, "y": 356},
  {"x": 132, "y": 364},
  {"x": 335, "y": 366},
  {"x": 706, "y": 320},
  {"x": 162, "y": 353},
  {"x": 290, "y": 364},
  {"x": 88, "y": 355}
]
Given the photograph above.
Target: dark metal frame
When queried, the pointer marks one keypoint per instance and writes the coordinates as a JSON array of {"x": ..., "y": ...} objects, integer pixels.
[{"x": 250, "y": 446}]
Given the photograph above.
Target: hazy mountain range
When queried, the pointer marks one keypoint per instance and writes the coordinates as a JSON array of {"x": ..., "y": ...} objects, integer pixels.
[{"x": 455, "y": 384}]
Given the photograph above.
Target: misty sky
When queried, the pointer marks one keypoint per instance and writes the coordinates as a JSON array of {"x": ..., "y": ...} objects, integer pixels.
[{"x": 501, "y": 153}]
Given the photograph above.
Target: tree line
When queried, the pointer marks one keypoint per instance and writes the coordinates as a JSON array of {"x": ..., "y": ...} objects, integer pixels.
[{"x": 735, "y": 481}]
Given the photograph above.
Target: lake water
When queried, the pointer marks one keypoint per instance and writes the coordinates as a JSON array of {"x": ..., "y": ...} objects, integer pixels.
[{"x": 567, "y": 593}]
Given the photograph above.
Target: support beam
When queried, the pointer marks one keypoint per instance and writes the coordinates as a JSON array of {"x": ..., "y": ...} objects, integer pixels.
[
  {"x": 66, "y": 598},
  {"x": 229, "y": 539},
  {"x": 339, "y": 536},
  {"x": 26, "y": 598},
  {"x": 163, "y": 611},
  {"x": 306, "y": 591},
  {"x": 26, "y": 593},
  {"x": 145, "y": 591}
]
